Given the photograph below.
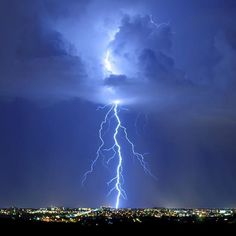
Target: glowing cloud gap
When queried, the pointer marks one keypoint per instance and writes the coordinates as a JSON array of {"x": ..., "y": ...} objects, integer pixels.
[{"x": 118, "y": 180}]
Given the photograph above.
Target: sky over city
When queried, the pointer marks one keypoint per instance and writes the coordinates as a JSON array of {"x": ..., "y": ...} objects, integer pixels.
[{"x": 170, "y": 64}]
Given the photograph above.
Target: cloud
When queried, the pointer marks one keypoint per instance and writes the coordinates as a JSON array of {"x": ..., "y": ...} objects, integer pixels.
[
  {"x": 36, "y": 60},
  {"x": 48, "y": 50},
  {"x": 115, "y": 80},
  {"x": 141, "y": 52},
  {"x": 225, "y": 69},
  {"x": 141, "y": 49}
]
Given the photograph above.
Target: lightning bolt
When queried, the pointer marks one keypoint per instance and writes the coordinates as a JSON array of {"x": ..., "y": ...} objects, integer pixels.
[
  {"x": 118, "y": 180},
  {"x": 99, "y": 150}
]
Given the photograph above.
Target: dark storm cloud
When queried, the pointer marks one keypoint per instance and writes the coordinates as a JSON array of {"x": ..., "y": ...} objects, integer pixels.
[
  {"x": 41, "y": 56},
  {"x": 36, "y": 60},
  {"x": 116, "y": 80},
  {"x": 224, "y": 71},
  {"x": 141, "y": 48},
  {"x": 143, "y": 52}
]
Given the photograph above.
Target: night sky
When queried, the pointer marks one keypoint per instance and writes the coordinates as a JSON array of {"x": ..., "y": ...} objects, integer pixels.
[{"x": 172, "y": 65}]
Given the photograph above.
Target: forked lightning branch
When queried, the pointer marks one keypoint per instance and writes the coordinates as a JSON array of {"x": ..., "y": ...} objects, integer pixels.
[{"x": 117, "y": 182}]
